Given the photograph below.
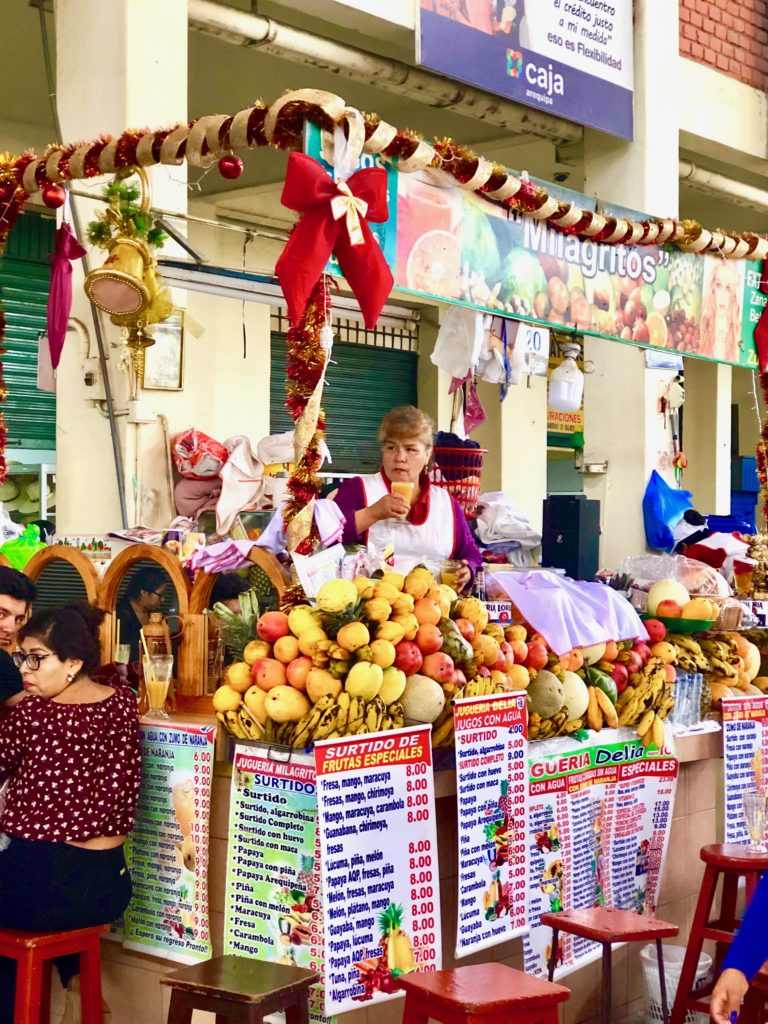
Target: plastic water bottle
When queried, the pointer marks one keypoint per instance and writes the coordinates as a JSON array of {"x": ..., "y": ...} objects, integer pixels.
[{"x": 479, "y": 587}]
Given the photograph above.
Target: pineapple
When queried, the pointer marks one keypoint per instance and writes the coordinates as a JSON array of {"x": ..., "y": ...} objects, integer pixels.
[
  {"x": 333, "y": 621},
  {"x": 395, "y": 944},
  {"x": 262, "y": 586}
]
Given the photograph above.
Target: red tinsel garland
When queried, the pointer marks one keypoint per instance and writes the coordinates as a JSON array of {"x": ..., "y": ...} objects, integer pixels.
[{"x": 304, "y": 368}]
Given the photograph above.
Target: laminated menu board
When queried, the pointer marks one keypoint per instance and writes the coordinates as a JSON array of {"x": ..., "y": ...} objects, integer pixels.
[
  {"x": 378, "y": 846},
  {"x": 745, "y": 758},
  {"x": 600, "y": 815},
  {"x": 167, "y": 853},
  {"x": 273, "y": 898},
  {"x": 492, "y": 799}
]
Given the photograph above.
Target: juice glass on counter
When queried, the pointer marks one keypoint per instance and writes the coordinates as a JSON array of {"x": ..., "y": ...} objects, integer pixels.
[
  {"x": 158, "y": 669},
  {"x": 449, "y": 573}
]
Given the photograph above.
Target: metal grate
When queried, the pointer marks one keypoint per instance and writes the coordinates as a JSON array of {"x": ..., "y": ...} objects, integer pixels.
[{"x": 354, "y": 332}]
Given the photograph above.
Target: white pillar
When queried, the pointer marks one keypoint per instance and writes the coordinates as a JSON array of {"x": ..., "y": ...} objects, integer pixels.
[
  {"x": 120, "y": 64},
  {"x": 621, "y": 396},
  {"x": 707, "y": 435}
]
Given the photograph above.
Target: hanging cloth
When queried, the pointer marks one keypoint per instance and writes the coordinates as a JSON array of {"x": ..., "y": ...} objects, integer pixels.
[{"x": 60, "y": 295}]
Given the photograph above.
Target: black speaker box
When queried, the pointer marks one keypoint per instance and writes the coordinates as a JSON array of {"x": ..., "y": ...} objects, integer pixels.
[{"x": 571, "y": 535}]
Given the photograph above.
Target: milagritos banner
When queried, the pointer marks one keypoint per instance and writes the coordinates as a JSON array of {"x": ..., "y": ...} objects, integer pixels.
[
  {"x": 599, "y": 825},
  {"x": 572, "y": 58}
]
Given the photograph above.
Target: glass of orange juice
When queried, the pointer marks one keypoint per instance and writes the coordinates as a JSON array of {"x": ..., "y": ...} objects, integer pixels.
[
  {"x": 158, "y": 669},
  {"x": 404, "y": 488},
  {"x": 449, "y": 573}
]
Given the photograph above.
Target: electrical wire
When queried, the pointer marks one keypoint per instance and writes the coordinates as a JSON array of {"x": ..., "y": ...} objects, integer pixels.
[{"x": 103, "y": 362}]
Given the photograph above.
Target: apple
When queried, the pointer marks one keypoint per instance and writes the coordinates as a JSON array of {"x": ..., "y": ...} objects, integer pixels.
[
  {"x": 466, "y": 629},
  {"x": 428, "y": 638},
  {"x": 519, "y": 651},
  {"x": 620, "y": 676},
  {"x": 631, "y": 660},
  {"x": 408, "y": 657},
  {"x": 656, "y": 630},
  {"x": 537, "y": 657},
  {"x": 439, "y": 667},
  {"x": 669, "y": 609},
  {"x": 643, "y": 650},
  {"x": 272, "y": 625}
]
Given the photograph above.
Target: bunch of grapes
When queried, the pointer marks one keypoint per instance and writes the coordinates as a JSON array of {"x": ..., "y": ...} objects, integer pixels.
[{"x": 683, "y": 331}]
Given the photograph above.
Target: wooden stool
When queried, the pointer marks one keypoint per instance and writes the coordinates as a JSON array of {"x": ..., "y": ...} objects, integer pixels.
[
  {"x": 34, "y": 952},
  {"x": 483, "y": 994},
  {"x": 732, "y": 862},
  {"x": 240, "y": 991},
  {"x": 607, "y": 927}
]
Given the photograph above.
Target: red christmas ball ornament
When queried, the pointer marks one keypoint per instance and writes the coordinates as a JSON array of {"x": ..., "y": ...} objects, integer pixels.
[
  {"x": 54, "y": 196},
  {"x": 230, "y": 167}
]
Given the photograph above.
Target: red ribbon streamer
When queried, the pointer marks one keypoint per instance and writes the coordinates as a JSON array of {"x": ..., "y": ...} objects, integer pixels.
[
  {"x": 310, "y": 190},
  {"x": 761, "y": 330}
]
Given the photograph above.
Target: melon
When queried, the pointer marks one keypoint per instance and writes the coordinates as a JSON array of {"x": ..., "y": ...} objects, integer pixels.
[
  {"x": 666, "y": 590},
  {"x": 575, "y": 695},
  {"x": 423, "y": 699},
  {"x": 593, "y": 654},
  {"x": 545, "y": 694}
]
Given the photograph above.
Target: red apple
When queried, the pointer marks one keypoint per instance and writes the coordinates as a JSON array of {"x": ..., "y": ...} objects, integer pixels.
[
  {"x": 272, "y": 625},
  {"x": 408, "y": 657},
  {"x": 537, "y": 656},
  {"x": 519, "y": 651},
  {"x": 466, "y": 629},
  {"x": 428, "y": 638},
  {"x": 438, "y": 666},
  {"x": 669, "y": 609},
  {"x": 643, "y": 650},
  {"x": 657, "y": 631},
  {"x": 620, "y": 676}
]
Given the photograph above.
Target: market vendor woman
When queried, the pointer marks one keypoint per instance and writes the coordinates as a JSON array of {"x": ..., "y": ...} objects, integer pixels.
[{"x": 398, "y": 504}]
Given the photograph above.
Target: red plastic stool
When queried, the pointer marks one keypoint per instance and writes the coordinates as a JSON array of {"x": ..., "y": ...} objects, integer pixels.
[
  {"x": 608, "y": 927},
  {"x": 732, "y": 862},
  {"x": 482, "y": 994},
  {"x": 34, "y": 952}
]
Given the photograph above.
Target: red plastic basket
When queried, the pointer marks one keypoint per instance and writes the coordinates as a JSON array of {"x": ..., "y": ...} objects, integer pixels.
[{"x": 459, "y": 471}]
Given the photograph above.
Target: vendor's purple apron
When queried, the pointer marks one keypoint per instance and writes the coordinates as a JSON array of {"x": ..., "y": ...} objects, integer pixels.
[{"x": 430, "y": 543}]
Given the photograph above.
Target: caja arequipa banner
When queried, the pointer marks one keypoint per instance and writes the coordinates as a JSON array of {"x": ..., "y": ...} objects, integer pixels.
[{"x": 599, "y": 821}]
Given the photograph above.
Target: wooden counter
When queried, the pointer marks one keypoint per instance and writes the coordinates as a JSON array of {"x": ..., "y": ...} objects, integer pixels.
[{"x": 132, "y": 980}]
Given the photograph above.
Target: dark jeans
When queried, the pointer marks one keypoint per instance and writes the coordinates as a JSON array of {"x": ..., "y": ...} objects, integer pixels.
[{"x": 56, "y": 887}]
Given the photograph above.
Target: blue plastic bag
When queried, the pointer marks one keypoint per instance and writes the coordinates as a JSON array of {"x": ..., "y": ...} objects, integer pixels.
[{"x": 663, "y": 508}]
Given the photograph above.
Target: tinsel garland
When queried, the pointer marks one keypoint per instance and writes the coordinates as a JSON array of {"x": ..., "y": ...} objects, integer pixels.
[
  {"x": 305, "y": 365},
  {"x": 281, "y": 125},
  {"x": 762, "y": 450}
]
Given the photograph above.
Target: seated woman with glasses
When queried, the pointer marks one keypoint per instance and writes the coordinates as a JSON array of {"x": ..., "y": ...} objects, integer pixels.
[
  {"x": 71, "y": 749},
  {"x": 143, "y": 595}
]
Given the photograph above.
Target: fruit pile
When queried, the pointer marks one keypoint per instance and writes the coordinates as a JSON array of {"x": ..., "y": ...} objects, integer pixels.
[
  {"x": 374, "y": 654},
  {"x": 668, "y": 599},
  {"x": 728, "y": 662}
]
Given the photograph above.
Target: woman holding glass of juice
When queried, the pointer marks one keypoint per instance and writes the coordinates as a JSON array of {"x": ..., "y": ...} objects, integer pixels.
[{"x": 430, "y": 526}]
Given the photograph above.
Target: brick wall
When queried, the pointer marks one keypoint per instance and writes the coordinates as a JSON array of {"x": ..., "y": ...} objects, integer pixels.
[{"x": 730, "y": 36}]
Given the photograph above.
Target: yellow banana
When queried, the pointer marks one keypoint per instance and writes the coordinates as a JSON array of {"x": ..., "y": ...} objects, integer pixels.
[
  {"x": 326, "y": 724},
  {"x": 343, "y": 702},
  {"x": 657, "y": 731},
  {"x": 443, "y": 735},
  {"x": 645, "y": 723},
  {"x": 397, "y": 714},
  {"x": 607, "y": 708},
  {"x": 304, "y": 727}
]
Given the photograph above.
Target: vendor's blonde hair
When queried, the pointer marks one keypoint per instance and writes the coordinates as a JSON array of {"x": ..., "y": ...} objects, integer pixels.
[{"x": 406, "y": 422}]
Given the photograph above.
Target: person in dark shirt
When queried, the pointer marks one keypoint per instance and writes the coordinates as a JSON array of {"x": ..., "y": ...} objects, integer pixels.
[
  {"x": 17, "y": 592},
  {"x": 143, "y": 595}
]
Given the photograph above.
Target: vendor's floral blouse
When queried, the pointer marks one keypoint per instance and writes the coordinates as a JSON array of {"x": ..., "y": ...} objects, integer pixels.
[{"x": 75, "y": 768}]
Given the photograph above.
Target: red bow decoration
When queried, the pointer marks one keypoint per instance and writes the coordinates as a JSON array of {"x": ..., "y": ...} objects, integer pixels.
[{"x": 334, "y": 219}]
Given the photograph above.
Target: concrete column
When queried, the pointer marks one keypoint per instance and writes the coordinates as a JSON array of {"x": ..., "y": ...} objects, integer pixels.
[
  {"x": 621, "y": 396},
  {"x": 707, "y": 435},
  {"x": 120, "y": 64}
]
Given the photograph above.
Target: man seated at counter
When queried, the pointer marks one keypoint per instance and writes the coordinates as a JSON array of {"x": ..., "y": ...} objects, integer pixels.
[
  {"x": 143, "y": 595},
  {"x": 17, "y": 592},
  {"x": 399, "y": 504}
]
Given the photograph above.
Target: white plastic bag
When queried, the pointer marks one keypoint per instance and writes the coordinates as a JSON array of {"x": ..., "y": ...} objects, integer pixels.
[{"x": 459, "y": 341}]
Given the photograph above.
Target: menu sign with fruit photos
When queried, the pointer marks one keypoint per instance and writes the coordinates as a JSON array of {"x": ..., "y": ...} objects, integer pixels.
[
  {"x": 459, "y": 247},
  {"x": 272, "y": 908},
  {"x": 378, "y": 846},
  {"x": 167, "y": 853},
  {"x": 600, "y": 817},
  {"x": 492, "y": 801},
  {"x": 745, "y": 762}
]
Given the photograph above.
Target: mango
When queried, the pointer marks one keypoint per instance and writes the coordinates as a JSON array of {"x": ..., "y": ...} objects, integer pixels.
[
  {"x": 364, "y": 680},
  {"x": 286, "y": 704},
  {"x": 308, "y": 641},
  {"x": 254, "y": 700},
  {"x": 383, "y": 653},
  {"x": 226, "y": 699},
  {"x": 352, "y": 636},
  {"x": 393, "y": 685},
  {"x": 320, "y": 683}
]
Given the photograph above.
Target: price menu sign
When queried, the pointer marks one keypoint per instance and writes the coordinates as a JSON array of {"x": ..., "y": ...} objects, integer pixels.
[
  {"x": 745, "y": 759},
  {"x": 167, "y": 853},
  {"x": 380, "y": 874},
  {"x": 492, "y": 795}
]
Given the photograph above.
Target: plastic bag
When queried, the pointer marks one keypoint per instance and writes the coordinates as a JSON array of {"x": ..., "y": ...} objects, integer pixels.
[
  {"x": 663, "y": 508},
  {"x": 696, "y": 577},
  {"x": 196, "y": 455},
  {"x": 459, "y": 341},
  {"x": 19, "y": 550}
]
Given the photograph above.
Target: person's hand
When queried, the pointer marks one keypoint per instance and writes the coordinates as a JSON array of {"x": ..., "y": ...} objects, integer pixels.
[
  {"x": 463, "y": 576},
  {"x": 727, "y": 995},
  {"x": 391, "y": 506}
]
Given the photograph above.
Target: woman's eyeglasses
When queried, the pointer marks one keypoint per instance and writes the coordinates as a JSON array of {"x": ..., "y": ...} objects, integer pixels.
[{"x": 32, "y": 661}]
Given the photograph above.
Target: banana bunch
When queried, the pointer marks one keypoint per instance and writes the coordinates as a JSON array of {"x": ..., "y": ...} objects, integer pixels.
[
  {"x": 241, "y": 724},
  {"x": 601, "y": 710},
  {"x": 645, "y": 691},
  {"x": 650, "y": 729},
  {"x": 442, "y": 727},
  {"x": 318, "y": 723},
  {"x": 480, "y": 686},
  {"x": 547, "y": 728},
  {"x": 322, "y": 654},
  {"x": 690, "y": 655},
  {"x": 346, "y": 716},
  {"x": 720, "y": 654},
  {"x": 279, "y": 732}
]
